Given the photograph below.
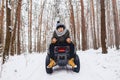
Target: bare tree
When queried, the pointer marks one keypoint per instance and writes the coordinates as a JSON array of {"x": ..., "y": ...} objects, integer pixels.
[
  {"x": 40, "y": 26},
  {"x": 78, "y": 27},
  {"x": 72, "y": 22},
  {"x": 1, "y": 22},
  {"x": 30, "y": 27},
  {"x": 93, "y": 24},
  {"x": 84, "y": 33},
  {"x": 16, "y": 31},
  {"x": 8, "y": 32},
  {"x": 116, "y": 23},
  {"x": 98, "y": 22},
  {"x": 13, "y": 36},
  {"x": 110, "y": 35},
  {"x": 35, "y": 31},
  {"x": 103, "y": 27},
  {"x": 19, "y": 25}
]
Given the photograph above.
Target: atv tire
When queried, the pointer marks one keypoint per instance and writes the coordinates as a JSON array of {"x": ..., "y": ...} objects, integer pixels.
[
  {"x": 77, "y": 62},
  {"x": 48, "y": 70}
]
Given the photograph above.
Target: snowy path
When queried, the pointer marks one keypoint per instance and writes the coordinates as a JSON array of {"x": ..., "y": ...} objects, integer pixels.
[
  {"x": 40, "y": 74},
  {"x": 85, "y": 74},
  {"x": 94, "y": 66}
]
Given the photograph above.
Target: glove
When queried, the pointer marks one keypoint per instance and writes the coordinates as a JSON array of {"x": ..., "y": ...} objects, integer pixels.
[
  {"x": 54, "y": 40},
  {"x": 68, "y": 40}
]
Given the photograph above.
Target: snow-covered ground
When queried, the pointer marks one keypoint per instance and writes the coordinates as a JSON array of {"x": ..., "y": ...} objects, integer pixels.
[{"x": 94, "y": 66}]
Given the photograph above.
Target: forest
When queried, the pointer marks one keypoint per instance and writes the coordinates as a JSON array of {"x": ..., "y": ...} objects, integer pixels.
[{"x": 27, "y": 25}]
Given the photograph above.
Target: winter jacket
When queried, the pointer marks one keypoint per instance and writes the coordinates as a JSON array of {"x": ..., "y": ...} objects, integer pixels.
[{"x": 61, "y": 37}]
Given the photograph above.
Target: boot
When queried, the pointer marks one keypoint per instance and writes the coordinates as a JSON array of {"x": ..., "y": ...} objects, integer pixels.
[
  {"x": 71, "y": 63},
  {"x": 51, "y": 64}
]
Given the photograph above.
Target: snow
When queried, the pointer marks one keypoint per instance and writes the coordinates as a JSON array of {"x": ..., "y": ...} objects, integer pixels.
[
  {"x": 9, "y": 6},
  {"x": 10, "y": 28},
  {"x": 94, "y": 66}
]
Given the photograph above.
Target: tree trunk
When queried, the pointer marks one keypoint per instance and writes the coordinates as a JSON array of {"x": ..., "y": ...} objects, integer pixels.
[
  {"x": 109, "y": 27},
  {"x": 103, "y": 27},
  {"x": 12, "y": 51},
  {"x": 98, "y": 23},
  {"x": 30, "y": 27},
  {"x": 116, "y": 23},
  {"x": 35, "y": 39},
  {"x": 40, "y": 27},
  {"x": 84, "y": 33},
  {"x": 8, "y": 32},
  {"x": 19, "y": 27},
  {"x": 1, "y": 23},
  {"x": 93, "y": 24},
  {"x": 13, "y": 47},
  {"x": 78, "y": 29},
  {"x": 72, "y": 22}
]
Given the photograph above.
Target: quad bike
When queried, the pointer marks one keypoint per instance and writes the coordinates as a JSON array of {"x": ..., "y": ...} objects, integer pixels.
[{"x": 61, "y": 58}]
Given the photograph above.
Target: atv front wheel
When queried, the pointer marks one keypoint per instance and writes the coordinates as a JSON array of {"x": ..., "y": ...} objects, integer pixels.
[
  {"x": 77, "y": 62},
  {"x": 48, "y": 70}
]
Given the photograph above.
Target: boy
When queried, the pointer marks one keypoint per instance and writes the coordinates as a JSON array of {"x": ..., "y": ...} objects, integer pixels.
[{"x": 61, "y": 36}]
